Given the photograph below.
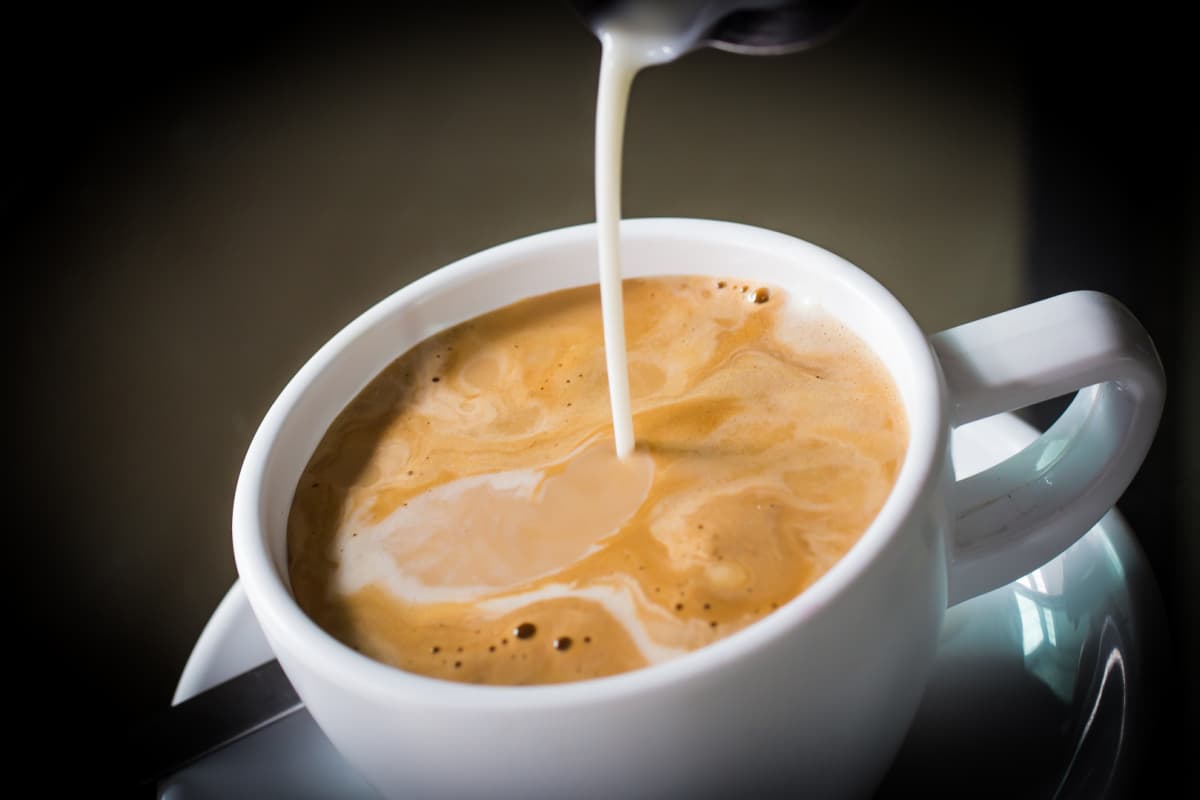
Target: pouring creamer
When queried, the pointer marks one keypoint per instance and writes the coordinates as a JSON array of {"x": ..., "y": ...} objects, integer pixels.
[{"x": 636, "y": 35}]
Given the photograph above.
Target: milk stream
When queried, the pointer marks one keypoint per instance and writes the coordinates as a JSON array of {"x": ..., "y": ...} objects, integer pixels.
[
  {"x": 637, "y": 35},
  {"x": 617, "y": 69}
]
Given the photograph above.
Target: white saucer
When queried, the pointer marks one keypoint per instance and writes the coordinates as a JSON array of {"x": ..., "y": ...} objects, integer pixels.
[{"x": 1040, "y": 688}]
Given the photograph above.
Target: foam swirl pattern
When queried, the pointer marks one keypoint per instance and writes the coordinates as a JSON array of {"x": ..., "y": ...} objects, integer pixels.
[{"x": 465, "y": 517}]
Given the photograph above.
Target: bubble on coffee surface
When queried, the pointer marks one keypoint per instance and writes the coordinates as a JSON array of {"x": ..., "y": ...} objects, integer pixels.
[{"x": 452, "y": 514}]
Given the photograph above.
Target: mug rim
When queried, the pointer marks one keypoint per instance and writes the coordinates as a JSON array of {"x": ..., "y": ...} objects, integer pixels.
[{"x": 287, "y": 625}]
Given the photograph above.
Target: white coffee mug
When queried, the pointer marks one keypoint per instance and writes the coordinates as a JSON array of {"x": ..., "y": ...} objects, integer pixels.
[{"x": 817, "y": 695}]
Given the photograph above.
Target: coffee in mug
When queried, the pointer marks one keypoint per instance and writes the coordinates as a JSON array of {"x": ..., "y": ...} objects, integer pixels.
[{"x": 466, "y": 517}]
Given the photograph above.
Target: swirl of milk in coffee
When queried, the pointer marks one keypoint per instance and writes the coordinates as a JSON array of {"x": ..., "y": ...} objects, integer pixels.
[{"x": 466, "y": 517}]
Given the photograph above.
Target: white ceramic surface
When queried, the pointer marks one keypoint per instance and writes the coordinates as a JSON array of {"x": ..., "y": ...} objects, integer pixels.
[
  {"x": 819, "y": 693},
  {"x": 1001, "y": 658}
]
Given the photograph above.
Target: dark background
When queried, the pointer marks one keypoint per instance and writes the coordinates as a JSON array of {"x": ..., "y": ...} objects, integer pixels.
[{"x": 193, "y": 199}]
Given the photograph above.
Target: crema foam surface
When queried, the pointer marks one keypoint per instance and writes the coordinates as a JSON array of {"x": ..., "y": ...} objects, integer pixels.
[{"x": 465, "y": 517}]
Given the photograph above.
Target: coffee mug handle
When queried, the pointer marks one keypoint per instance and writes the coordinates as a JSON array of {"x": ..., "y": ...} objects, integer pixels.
[{"x": 1014, "y": 517}]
